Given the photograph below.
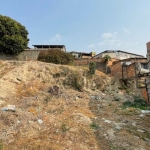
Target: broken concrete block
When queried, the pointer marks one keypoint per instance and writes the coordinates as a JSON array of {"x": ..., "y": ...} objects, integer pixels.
[
  {"x": 9, "y": 108},
  {"x": 40, "y": 121}
]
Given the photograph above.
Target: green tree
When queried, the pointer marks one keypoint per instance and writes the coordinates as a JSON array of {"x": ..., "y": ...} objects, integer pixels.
[
  {"x": 55, "y": 56},
  {"x": 92, "y": 67},
  {"x": 13, "y": 36},
  {"x": 106, "y": 59}
]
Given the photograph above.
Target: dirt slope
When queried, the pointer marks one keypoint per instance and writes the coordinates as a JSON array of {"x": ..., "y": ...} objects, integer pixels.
[{"x": 63, "y": 108}]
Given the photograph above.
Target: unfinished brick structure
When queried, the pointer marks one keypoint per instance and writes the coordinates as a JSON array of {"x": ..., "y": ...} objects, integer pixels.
[
  {"x": 148, "y": 50},
  {"x": 128, "y": 69}
]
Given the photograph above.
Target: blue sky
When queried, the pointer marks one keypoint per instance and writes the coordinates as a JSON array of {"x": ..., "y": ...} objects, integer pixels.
[{"x": 84, "y": 25}]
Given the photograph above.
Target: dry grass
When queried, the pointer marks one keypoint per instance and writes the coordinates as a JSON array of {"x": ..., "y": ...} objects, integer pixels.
[
  {"x": 28, "y": 90},
  {"x": 5, "y": 68},
  {"x": 61, "y": 129}
]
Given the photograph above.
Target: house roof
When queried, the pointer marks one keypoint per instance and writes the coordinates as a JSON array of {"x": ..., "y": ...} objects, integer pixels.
[
  {"x": 130, "y": 53},
  {"x": 49, "y": 46},
  {"x": 84, "y": 53},
  {"x": 114, "y": 51}
]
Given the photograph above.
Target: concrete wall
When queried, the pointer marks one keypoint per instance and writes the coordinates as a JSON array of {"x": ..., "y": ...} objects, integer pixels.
[
  {"x": 7, "y": 57},
  {"x": 24, "y": 55},
  {"x": 29, "y": 55},
  {"x": 32, "y": 54},
  {"x": 122, "y": 55}
]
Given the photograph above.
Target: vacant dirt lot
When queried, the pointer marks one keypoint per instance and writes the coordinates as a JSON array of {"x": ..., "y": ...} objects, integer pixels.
[{"x": 64, "y": 108}]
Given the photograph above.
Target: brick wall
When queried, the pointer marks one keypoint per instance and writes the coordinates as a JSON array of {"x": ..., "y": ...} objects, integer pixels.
[
  {"x": 120, "y": 71},
  {"x": 100, "y": 65},
  {"x": 131, "y": 70},
  {"x": 116, "y": 70},
  {"x": 144, "y": 93},
  {"x": 86, "y": 61}
]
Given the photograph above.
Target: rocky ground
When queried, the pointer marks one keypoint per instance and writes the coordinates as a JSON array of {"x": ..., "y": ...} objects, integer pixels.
[{"x": 54, "y": 107}]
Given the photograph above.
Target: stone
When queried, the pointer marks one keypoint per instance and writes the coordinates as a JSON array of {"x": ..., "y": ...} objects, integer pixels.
[
  {"x": 11, "y": 107},
  {"x": 4, "y": 109},
  {"x": 95, "y": 97},
  {"x": 76, "y": 98},
  {"x": 141, "y": 115},
  {"x": 134, "y": 124},
  {"x": 145, "y": 111},
  {"x": 125, "y": 121},
  {"x": 18, "y": 122},
  {"x": 40, "y": 121},
  {"x": 139, "y": 130},
  {"x": 118, "y": 128},
  {"x": 81, "y": 118},
  {"x": 107, "y": 121},
  {"x": 116, "y": 99},
  {"x": 111, "y": 134}
]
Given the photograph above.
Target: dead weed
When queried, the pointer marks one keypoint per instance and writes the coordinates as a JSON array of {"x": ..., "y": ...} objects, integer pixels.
[{"x": 28, "y": 90}]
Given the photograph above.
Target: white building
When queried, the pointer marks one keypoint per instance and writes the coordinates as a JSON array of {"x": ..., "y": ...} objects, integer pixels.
[{"x": 118, "y": 54}]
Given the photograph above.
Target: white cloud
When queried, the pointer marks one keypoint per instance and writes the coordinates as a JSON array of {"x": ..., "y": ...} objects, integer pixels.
[
  {"x": 56, "y": 38},
  {"x": 126, "y": 30},
  {"x": 109, "y": 35},
  {"x": 91, "y": 46},
  {"x": 110, "y": 39},
  {"x": 111, "y": 42}
]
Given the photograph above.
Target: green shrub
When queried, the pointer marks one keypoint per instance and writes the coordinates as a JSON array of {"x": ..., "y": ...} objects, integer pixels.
[
  {"x": 74, "y": 80},
  {"x": 138, "y": 103},
  {"x": 94, "y": 126},
  {"x": 92, "y": 67},
  {"x": 64, "y": 128},
  {"x": 1, "y": 145},
  {"x": 55, "y": 56}
]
